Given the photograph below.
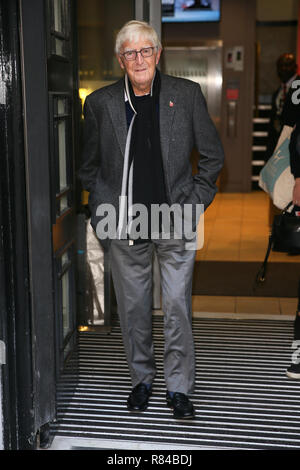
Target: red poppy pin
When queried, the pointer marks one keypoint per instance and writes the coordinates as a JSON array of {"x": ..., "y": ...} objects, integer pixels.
[{"x": 171, "y": 104}]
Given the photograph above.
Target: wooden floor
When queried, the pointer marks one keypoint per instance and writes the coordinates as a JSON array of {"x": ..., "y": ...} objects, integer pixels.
[{"x": 236, "y": 228}]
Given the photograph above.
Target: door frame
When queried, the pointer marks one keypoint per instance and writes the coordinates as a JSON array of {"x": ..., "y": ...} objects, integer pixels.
[
  {"x": 15, "y": 305},
  {"x": 27, "y": 318},
  {"x": 36, "y": 140}
]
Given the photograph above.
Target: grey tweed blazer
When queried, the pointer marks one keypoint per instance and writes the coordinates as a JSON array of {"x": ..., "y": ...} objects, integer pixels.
[{"x": 184, "y": 124}]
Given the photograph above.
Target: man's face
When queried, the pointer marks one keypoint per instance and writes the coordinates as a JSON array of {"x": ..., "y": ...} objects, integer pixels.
[
  {"x": 286, "y": 67},
  {"x": 141, "y": 70}
]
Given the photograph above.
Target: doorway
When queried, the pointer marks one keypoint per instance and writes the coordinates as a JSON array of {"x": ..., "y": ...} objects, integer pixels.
[
  {"x": 48, "y": 64},
  {"x": 50, "y": 117}
]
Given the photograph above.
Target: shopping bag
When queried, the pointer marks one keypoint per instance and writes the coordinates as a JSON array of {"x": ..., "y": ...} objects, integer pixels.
[
  {"x": 276, "y": 178},
  {"x": 284, "y": 237}
]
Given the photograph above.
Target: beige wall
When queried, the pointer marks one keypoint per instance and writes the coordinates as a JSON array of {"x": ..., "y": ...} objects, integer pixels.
[
  {"x": 238, "y": 29},
  {"x": 274, "y": 40},
  {"x": 276, "y": 10}
]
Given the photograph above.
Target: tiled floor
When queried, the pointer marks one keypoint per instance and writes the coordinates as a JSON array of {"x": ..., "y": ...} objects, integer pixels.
[
  {"x": 245, "y": 305},
  {"x": 236, "y": 229}
]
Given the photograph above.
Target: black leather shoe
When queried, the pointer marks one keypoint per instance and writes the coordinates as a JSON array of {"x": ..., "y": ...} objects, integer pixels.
[
  {"x": 139, "y": 397},
  {"x": 182, "y": 407}
]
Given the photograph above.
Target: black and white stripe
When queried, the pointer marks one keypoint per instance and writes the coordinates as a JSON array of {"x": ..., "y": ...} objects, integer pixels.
[{"x": 243, "y": 398}]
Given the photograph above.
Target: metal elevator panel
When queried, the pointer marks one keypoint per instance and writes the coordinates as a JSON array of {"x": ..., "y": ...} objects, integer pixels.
[{"x": 201, "y": 64}]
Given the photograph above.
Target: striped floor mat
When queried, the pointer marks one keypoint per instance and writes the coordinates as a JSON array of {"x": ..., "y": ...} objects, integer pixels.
[{"x": 243, "y": 398}]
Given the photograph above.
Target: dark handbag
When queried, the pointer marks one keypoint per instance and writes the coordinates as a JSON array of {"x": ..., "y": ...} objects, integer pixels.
[{"x": 284, "y": 237}]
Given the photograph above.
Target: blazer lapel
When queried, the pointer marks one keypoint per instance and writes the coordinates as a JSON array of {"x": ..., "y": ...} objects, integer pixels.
[
  {"x": 117, "y": 111},
  {"x": 167, "y": 108}
]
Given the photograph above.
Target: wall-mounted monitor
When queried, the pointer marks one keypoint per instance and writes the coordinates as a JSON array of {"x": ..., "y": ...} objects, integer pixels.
[{"x": 184, "y": 11}]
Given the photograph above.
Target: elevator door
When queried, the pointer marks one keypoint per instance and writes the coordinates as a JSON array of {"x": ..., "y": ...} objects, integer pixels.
[{"x": 201, "y": 64}]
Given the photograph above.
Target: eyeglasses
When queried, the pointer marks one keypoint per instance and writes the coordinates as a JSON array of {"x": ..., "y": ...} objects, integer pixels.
[{"x": 145, "y": 52}]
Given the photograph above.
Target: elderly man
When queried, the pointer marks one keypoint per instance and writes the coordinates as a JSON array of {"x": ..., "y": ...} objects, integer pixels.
[{"x": 139, "y": 133}]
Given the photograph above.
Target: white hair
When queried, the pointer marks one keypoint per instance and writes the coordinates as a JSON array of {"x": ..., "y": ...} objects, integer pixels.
[{"x": 133, "y": 31}]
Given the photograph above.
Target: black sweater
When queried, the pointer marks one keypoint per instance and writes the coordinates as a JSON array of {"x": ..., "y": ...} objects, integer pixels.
[
  {"x": 148, "y": 176},
  {"x": 149, "y": 183},
  {"x": 291, "y": 117}
]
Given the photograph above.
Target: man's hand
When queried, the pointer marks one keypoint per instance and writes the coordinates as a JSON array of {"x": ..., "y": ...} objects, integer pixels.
[{"x": 296, "y": 192}]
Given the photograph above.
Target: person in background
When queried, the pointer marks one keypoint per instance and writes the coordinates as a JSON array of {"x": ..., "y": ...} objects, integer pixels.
[
  {"x": 139, "y": 134},
  {"x": 293, "y": 370},
  {"x": 280, "y": 114},
  {"x": 283, "y": 111}
]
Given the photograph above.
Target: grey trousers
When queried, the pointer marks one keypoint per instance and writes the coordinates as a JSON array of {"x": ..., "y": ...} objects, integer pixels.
[{"x": 132, "y": 276}]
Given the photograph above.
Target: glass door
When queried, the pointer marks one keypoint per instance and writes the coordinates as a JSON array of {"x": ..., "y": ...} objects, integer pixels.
[
  {"x": 98, "y": 23},
  {"x": 63, "y": 117}
]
